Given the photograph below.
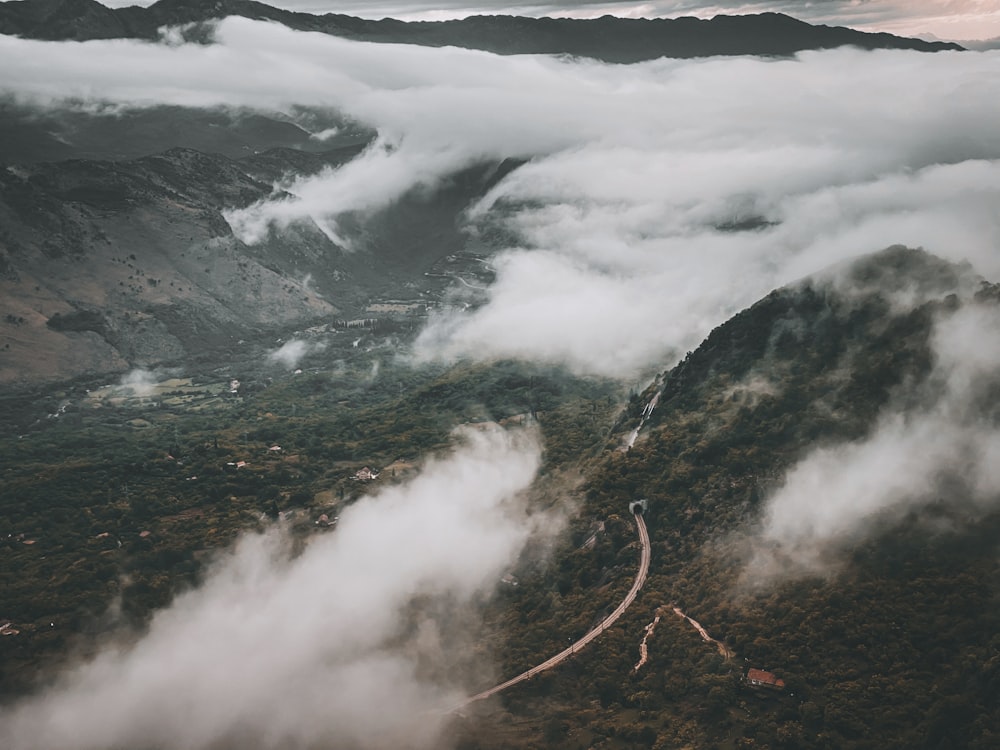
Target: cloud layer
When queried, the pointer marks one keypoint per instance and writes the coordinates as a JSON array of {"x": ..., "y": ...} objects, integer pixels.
[
  {"x": 319, "y": 650},
  {"x": 636, "y": 213},
  {"x": 659, "y": 198}
]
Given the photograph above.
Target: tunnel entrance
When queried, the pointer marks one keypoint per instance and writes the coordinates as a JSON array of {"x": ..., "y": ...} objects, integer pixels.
[{"x": 638, "y": 506}]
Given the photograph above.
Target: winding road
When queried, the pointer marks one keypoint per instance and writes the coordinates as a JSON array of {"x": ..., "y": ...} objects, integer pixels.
[{"x": 640, "y": 579}]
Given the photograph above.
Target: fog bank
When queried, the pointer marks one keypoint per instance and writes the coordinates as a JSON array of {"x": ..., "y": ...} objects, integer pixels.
[
  {"x": 946, "y": 450},
  {"x": 658, "y": 198},
  {"x": 319, "y": 650}
]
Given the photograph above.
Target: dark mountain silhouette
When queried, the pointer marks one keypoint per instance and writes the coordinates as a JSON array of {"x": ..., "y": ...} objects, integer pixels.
[{"x": 611, "y": 39}]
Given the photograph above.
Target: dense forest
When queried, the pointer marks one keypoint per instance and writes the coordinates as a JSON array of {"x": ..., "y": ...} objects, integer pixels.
[{"x": 895, "y": 645}]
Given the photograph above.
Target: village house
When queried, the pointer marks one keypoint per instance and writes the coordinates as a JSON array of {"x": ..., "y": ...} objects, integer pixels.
[
  {"x": 760, "y": 678},
  {"x": 365, "y": 475}
]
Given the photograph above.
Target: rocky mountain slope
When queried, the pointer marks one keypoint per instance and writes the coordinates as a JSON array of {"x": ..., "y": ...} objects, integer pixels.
[
  {"x": 34, "y": 134},
  {"x": 610, "y": 39},
  {"x": 110, "y": 265}
]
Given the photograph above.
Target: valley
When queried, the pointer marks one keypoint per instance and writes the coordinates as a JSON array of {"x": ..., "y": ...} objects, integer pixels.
[{"x": 173, "y": 469}]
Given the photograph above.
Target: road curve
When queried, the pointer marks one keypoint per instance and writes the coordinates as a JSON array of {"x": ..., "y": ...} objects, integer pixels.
[{"x": 640, "y": 579}]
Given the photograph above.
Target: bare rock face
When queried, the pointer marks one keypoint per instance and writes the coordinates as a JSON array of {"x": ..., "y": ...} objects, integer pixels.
[
  {"x": 107, "y": 265},
  {"x": 111, "y": 265}
]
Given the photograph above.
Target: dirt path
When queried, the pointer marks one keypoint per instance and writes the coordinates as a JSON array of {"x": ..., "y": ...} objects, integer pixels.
[
  {"x": 640, "y": 579},
  {"x": 724, "y": 650},
  {"x": 643, "y": 648}
]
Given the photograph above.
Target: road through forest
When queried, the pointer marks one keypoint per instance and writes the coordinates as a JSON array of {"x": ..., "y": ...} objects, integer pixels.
[{"x": 640, "y": 579}]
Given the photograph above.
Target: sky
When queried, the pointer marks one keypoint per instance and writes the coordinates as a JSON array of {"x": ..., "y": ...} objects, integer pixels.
[{"x": 954, "y": 20}]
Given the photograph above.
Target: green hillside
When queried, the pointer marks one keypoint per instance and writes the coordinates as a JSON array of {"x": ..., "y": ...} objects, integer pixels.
[{"x": 894, "y": 644}]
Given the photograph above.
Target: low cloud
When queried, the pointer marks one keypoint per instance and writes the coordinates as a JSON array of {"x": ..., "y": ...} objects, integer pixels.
[
  {"x": 320, "y": 650},
  {"x": 291, "y": 353},
  {"x": 946, "y": 450},
  {"x": 657, "y": 199},
  {"x": 140, "y": 381},
  {"x": 144, "y": 383},
  {"x": 630, "y": 258}
]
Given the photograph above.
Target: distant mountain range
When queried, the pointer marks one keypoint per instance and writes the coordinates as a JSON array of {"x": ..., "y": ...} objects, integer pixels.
[
  {"x": 617, "y": 40},
  {"x": 913, "y": 606}
]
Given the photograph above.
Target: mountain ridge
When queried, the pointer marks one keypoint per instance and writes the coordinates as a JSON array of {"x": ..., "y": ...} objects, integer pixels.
[
  {"x": 609, "y": 39},
  {"x": 897, "y": 604}
]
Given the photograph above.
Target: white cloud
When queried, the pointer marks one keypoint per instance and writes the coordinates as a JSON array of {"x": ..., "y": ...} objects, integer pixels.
[
  {"x": 276, "y": 651},
  {"x": 635, "y": 171},
  {"x": 292, "y": 352},
  {"x": 945, "y": 449},
  {"x": 140, "y": 381},
  {"x": 627, "y": 264}
]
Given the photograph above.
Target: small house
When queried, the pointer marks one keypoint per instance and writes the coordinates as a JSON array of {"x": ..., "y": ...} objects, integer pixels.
[{"x": 760, "y": 678}]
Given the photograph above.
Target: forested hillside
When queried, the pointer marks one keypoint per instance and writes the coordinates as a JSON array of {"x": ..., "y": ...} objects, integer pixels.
[
  {"x": 883, "y": 632},
  {"x": 887, "y": 639}
]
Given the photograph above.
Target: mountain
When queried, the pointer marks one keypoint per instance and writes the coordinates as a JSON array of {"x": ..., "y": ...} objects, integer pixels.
[
  {"x": 610, "y": 39},
  {"x": 109, "y": 265},
  {"x": 887, "y": 640}
]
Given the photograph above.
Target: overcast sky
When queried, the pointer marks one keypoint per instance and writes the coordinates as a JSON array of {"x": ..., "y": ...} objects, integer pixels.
[{"x": 946, "y": 19}]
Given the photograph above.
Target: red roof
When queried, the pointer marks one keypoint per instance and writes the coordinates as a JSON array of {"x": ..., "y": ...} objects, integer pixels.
[{"x": 761, "y": 677}]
